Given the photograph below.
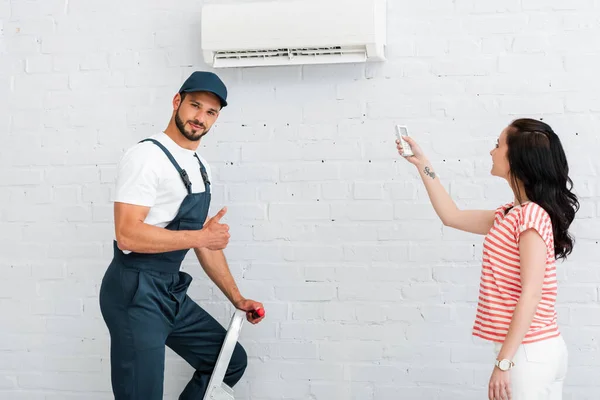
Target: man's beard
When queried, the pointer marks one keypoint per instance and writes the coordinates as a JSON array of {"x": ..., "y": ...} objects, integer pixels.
[{"x": 193, "y": 135}]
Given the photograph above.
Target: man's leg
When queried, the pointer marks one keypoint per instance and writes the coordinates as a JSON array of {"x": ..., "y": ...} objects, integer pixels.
[
  {"x": 137, "y": 336},
  {"x": 136, "y": 374},
  {"x": 197, "y": 337}
]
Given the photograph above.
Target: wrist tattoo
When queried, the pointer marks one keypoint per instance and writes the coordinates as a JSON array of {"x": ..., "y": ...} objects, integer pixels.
[{"x": 429, "y": 172}]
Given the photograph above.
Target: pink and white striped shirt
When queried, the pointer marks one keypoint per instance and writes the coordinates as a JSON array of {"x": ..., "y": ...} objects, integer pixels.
[{"x": 500, "y": 286}]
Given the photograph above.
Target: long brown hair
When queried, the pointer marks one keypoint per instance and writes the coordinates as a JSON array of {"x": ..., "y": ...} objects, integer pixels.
[{"x": 537, "y": 159}]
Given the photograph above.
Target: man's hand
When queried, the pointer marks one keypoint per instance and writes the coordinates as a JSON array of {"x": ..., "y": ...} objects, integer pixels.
[
  {"x": 255, "y": 312},
  {"x": 216, "y": 234}
]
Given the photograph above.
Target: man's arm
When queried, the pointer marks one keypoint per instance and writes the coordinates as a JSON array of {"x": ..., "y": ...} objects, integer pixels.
[
  {"x": 137, "y": 183},
  {"x": 215, "y": 265},
  {"x": 134, "y": 235}
]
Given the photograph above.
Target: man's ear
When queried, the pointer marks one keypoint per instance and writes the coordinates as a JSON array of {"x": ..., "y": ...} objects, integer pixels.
[{"x": 177, "y": 100}]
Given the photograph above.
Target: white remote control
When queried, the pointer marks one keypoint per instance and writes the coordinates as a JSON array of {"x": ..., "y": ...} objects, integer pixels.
[{"x": 401, "y": 131}]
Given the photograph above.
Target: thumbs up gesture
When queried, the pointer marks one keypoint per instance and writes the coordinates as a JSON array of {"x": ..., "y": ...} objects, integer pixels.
[{"x": 217, "y": 234}]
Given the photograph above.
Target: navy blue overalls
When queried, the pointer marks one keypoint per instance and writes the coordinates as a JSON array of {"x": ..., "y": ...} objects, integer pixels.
[{"x": 144, "y": 303}]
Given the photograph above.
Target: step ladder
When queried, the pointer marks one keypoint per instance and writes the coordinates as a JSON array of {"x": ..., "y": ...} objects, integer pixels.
[{"x": 217, "y": 389}]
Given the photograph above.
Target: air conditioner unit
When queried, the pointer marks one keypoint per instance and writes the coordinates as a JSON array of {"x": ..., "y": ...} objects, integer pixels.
[{"x": 293, "y": 32}]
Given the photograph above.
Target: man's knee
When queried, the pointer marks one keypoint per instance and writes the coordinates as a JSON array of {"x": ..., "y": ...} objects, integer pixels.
[
  {"x": 239, "y": 359},
  {"x": 237, "y": 366}
]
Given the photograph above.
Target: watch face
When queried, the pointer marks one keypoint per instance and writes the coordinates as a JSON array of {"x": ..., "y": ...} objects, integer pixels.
[{"x": 504, "y": 365}]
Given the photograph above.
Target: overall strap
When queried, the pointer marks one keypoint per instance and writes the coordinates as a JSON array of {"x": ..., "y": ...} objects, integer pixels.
[
  {"x": 182, "y": 173},
  {"x": 204, "y": 174}
]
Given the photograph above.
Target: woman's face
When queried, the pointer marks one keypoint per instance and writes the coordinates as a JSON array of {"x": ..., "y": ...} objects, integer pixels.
[{"x": 500, "y": 166}]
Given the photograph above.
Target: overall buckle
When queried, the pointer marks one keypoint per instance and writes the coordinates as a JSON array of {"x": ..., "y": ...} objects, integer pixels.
[{"x": 186, "y": 179}]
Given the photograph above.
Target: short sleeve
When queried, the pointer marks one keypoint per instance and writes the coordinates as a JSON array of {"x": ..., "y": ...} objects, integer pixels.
[
  {"x": 532, "y": 216},
  {"x": 137, "y": 179}
]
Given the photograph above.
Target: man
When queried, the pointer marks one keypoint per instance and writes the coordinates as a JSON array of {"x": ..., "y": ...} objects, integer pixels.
[{"x": 161, "y": 204}]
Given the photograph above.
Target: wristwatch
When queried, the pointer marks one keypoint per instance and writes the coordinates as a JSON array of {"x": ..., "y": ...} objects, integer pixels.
[{"x": 504, "y": 364}]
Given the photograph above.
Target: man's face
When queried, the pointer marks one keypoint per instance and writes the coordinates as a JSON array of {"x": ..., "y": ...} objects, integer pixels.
[{"x": 196, "y": 113}]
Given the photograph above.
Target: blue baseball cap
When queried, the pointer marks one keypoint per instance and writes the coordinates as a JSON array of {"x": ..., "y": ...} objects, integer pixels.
[{"x": 204, "y": 81}]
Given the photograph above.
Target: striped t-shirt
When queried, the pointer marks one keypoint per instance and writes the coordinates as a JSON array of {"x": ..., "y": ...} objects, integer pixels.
[{"x": 500, "y": 285}]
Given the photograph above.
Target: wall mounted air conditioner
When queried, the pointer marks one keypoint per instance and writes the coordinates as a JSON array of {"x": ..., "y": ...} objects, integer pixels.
[{"x": 293, "y": 32}]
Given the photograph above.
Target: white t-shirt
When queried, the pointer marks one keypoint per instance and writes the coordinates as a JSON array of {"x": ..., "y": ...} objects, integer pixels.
[{"x": 146, "y": 177}]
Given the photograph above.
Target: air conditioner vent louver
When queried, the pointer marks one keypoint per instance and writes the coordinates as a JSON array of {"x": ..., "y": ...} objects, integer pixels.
[
  {"x": 291, "y": 56},
  {"x": 290, "y": 53}
]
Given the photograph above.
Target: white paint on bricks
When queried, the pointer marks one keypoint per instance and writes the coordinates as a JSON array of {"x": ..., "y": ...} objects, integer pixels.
[{"x": 367, "y": 295}]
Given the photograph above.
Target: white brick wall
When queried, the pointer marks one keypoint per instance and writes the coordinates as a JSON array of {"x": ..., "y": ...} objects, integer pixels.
[{"x": 368, "y": 297}]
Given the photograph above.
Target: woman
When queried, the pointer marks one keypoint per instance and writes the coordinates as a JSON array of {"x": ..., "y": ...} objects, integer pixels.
[{"x": 523, "y": 239}]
